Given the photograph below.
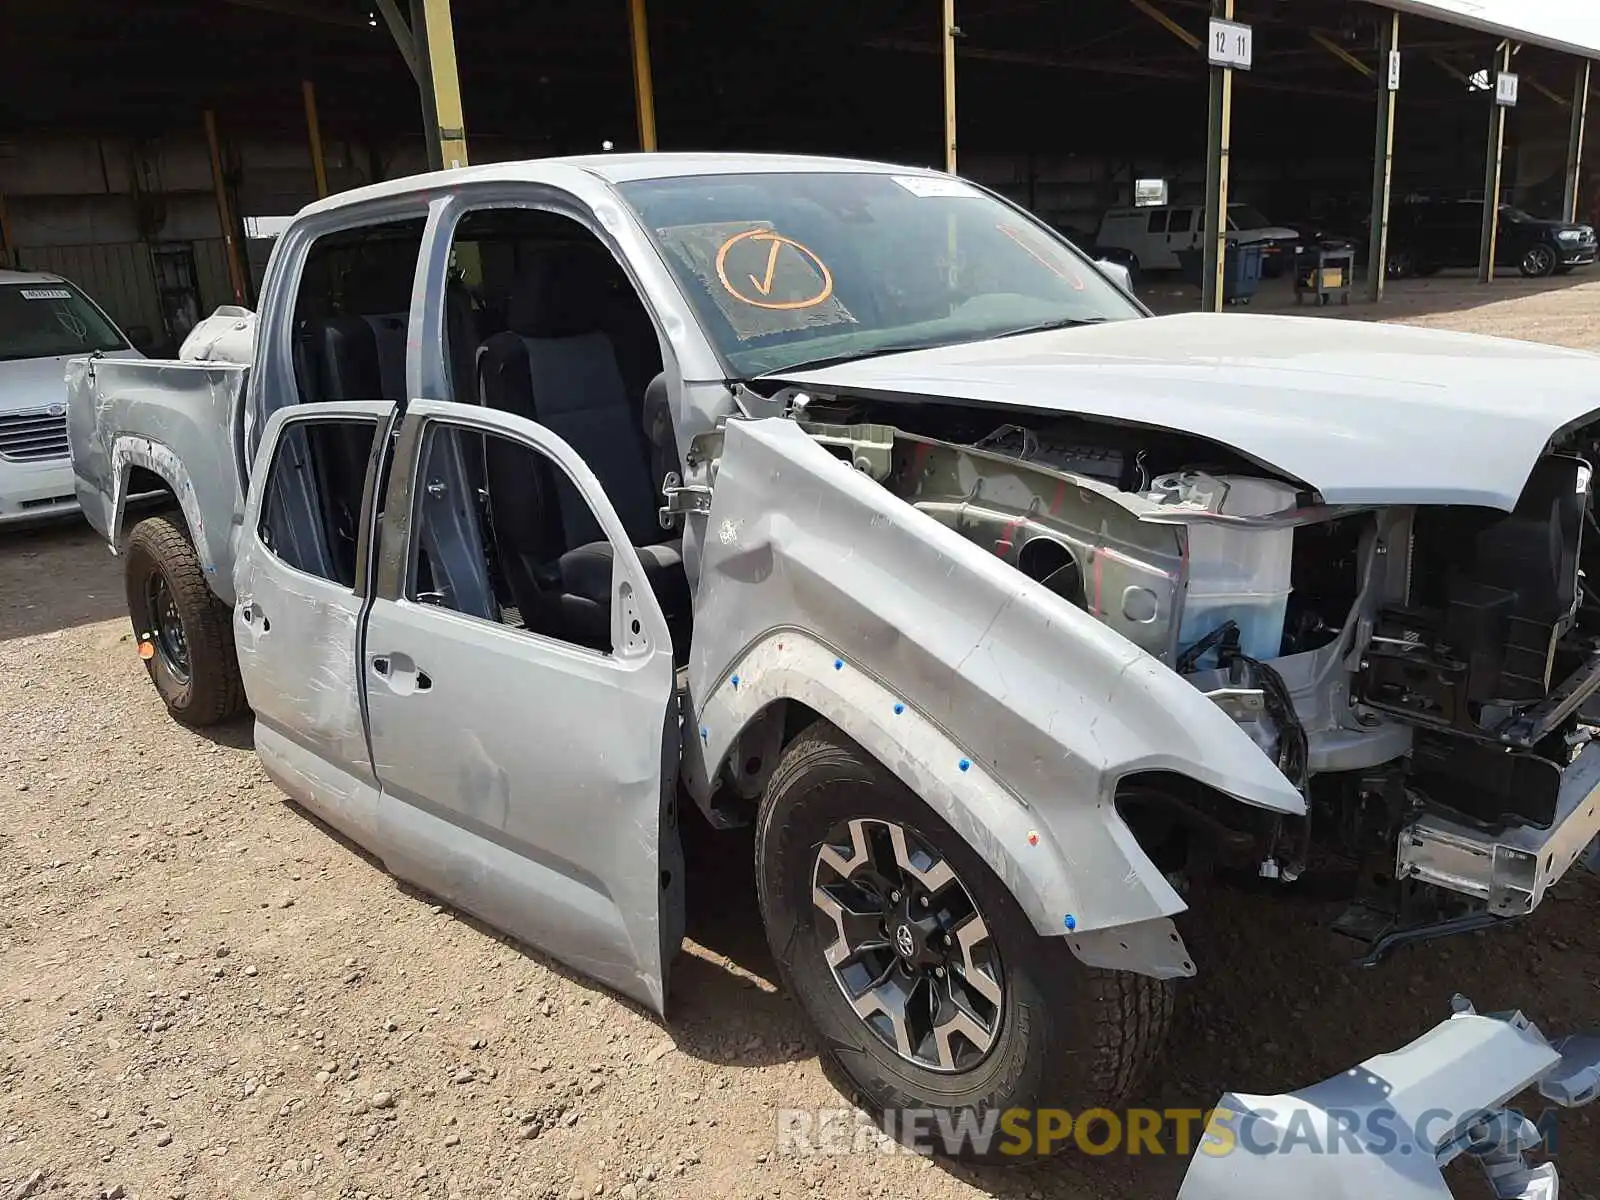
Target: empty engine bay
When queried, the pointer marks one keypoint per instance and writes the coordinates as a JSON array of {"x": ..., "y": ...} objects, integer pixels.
[{"x": 1393, "y": 662}]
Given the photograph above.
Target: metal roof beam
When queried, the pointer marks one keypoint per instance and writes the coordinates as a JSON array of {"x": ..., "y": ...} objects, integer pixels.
[
  {"x": 1167, "y": 23},
  {"x": 405, "y": 41},
  {"x": 1339, "y": 52}
]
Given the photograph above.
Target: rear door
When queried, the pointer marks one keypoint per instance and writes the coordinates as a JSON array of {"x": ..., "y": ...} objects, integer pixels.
[
  {"x": 300, "y": 584},
  {"x": 528, "y": 771}
]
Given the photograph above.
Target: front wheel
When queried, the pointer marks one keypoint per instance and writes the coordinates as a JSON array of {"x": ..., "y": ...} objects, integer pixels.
[
  {"x": 185, "y": 633},
  {"x": 923, "y": 979},
  {"x": 1537, "y": 261}
]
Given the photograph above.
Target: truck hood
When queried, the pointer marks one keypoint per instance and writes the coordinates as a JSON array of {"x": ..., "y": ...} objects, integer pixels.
[
  {"x": 34, "y": 383},
  {"x": 1363, "y": 413}
]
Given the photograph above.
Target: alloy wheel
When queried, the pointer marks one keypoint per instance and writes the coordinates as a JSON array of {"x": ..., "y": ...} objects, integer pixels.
[{"x": 911, "y": 953}]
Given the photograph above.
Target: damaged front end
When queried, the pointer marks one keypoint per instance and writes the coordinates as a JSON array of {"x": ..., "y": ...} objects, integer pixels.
[
  {"x": 1390, "y": 1126},
  {"x": 1418, "y": 674}
]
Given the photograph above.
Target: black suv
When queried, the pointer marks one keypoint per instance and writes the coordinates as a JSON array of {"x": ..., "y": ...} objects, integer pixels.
[{"x": 1428, "y": 235}]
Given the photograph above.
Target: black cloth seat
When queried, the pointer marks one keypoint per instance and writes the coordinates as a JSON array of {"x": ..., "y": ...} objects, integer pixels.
[
  {"x": 586, "y": 591},
  {"x": 558, "y": 366}
]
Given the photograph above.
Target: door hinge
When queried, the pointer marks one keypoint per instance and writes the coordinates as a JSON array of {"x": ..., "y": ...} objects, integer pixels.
[{"x": 685, "y": 498}]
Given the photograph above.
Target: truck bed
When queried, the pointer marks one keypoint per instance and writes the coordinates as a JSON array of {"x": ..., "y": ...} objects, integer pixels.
[{"x": 176, "y": 421}]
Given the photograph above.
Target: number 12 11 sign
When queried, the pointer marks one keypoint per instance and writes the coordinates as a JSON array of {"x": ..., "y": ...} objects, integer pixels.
[{"x": 1228, "y": 44}]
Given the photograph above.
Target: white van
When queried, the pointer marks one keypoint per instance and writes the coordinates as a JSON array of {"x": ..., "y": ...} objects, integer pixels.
[
  {"x": 1154, "y": 234},
  {"x": 44, "y": 321}
]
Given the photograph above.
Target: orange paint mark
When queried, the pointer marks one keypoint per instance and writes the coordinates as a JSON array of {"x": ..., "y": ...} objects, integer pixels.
[{"x": 764, "y": 287}]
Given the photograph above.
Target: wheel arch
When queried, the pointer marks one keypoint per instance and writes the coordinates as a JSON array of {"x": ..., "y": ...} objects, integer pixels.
[
  {"x": 142, "y": 465},
  {"x": 789, "y": 679}
]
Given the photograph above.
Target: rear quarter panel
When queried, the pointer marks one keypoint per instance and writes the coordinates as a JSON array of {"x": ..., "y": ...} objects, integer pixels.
[{"x": 176, "y": 420}]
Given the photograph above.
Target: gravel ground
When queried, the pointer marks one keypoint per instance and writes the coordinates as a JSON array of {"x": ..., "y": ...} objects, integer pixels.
[{"x": 204, "y": 993}]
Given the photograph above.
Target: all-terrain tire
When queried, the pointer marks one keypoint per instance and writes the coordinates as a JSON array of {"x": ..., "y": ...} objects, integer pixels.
[
  {"x": 1071, "y": 1037},
  {"x": 212, "y": 691}
]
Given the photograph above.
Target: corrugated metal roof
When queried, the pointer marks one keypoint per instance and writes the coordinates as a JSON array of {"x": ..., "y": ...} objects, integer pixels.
[{"x": 1570, "y": 25}]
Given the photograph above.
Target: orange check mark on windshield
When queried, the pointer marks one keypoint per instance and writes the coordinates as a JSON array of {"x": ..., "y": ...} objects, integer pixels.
[{"x": 764, "y": 286}]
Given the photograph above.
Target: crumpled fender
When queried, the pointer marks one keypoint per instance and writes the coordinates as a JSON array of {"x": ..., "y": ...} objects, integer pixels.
[{"x": 1008, "y": 710}]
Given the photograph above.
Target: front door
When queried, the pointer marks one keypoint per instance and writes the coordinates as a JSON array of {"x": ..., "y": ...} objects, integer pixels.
[
  {"x": 520, "y": 695},
  {"x": 299, "y": 580}
]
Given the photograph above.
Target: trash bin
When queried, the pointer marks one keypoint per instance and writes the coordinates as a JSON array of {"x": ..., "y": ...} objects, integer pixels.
[
  {"x": 1241, "y": 270},
  {"x": 1323, "y": 271}
]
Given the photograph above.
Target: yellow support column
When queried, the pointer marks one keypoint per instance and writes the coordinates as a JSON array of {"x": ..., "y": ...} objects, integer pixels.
[
  {"x": 643, "y": 91},
  {"x": 1219, "y": 137},
  {"x": 230, "y": 243},
  {"x": 950, "y": 86},
  {"x": 314, "y": 134},
  {"x": 444, "y": 82},
  {"x": 1490, "y": 233}
]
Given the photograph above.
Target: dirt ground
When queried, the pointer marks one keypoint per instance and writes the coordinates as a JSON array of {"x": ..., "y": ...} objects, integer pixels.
[{"x": 205, "y": 994}]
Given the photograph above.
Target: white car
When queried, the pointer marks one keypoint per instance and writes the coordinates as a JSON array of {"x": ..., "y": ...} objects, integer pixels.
[
  {"x": 44, "y": 321},
  {"x": 1154, "y": 234}
]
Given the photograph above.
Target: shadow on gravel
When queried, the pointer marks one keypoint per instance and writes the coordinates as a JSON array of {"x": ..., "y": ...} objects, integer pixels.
[
  {"x": 1278, "y": 1005},
  {"x": 724, "y": 1004},
  {"x": 56, "y": 577},
  {"x": 237, "y": 734}
]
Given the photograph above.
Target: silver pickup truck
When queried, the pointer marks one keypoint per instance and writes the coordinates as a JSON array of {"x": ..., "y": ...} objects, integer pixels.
[{"x": 850, "y": 501}]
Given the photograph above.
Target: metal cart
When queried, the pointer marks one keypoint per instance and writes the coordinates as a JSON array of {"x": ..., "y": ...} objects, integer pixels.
[{"x": 1323, "y": 271}]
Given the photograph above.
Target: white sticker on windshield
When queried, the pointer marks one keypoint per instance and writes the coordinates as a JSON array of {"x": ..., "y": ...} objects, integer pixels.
[
  {"x": 46, "y": 294},
  {"x": 930, "y": 185}
]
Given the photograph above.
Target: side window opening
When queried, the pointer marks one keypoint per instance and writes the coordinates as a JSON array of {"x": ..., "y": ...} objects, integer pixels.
[
  {"x": 543, "y": 322},
  {"x": 1182, "y": 220},
  {"x": 352, "y": 311},
  {"x": 1158, "y": 221},
  {"x": 512, "y": 552},
  {"x": 311, "y": 508}
]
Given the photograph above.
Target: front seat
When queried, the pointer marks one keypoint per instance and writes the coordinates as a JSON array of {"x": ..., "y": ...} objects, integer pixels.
[{"x": 557, "y": 366}]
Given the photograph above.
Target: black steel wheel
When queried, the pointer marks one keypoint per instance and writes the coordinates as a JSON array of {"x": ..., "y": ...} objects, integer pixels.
[
  {"x": 1538, "y": 260},
  {"x": 185, "y": 633},
  {"x": 166, "y": 625},
  {"x": 925, "y": 983}
]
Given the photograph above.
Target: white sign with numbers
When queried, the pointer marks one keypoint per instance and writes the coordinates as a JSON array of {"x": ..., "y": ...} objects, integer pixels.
[
  {"x": 1505, "y": 89},
  {"x": 1394, "y": 70},
  {"x": 1228, "y": 44}
]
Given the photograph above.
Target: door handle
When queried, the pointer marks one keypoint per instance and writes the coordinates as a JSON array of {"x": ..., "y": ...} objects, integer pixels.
[{"x": 402, "y": 675}]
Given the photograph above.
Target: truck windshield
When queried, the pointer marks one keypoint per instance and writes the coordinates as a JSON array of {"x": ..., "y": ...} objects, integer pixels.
[
  {"x": 791, "y": 269},
  {"x": 47, "y": 320}
]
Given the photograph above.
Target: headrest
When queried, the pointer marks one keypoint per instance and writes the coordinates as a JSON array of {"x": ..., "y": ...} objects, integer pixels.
[{"x": 561, "y": 295}]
